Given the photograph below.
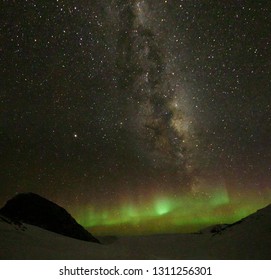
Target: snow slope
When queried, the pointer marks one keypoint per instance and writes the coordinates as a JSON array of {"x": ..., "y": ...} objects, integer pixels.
[{"x": 250, "y": 238}]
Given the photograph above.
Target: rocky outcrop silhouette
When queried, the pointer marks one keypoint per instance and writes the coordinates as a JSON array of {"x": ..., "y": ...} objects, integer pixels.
[{"x": 35, "y": 210}]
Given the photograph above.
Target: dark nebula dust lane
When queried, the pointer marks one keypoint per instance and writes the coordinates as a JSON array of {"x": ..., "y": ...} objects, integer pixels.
[{"x": 137, "y": 116}]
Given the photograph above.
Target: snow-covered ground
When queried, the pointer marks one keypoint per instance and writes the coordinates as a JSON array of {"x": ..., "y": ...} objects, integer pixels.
[{"x": 248, "y": 239}]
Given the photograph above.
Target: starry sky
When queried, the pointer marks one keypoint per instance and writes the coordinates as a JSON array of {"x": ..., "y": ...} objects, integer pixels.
[{"x": 137, "y": 116}]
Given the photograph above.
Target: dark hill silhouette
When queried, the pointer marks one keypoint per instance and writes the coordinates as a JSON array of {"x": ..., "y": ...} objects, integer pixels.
[{"x": 33, "y": 209}]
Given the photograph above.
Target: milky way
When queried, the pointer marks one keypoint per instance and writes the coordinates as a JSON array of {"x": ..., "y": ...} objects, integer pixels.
[
  {"x": 137, "y": 116},
  {"x": 160, "y": 127}
]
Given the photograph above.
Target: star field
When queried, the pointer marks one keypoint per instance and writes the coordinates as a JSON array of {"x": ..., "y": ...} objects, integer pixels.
[{"x": 137, "y": 116}]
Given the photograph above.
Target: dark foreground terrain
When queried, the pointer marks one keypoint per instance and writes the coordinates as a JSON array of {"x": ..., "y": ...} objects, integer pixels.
[{"x": 249, "y": 238}]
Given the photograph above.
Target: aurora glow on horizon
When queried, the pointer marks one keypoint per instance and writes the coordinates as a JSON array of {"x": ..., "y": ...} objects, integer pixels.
[
  {"x": 184, "y": 214},
  {"x": 138, "y": 116}
]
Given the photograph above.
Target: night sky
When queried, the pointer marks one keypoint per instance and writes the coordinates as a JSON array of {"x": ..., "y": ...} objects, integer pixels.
[{"x": 137, "y": 116}]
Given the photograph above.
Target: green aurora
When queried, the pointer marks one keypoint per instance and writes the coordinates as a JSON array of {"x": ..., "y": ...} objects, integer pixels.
[{"x": 179, "y": 214}]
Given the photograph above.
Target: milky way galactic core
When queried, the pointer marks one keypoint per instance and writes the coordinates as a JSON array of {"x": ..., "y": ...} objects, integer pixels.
[{"x": 138, "y": 116}]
